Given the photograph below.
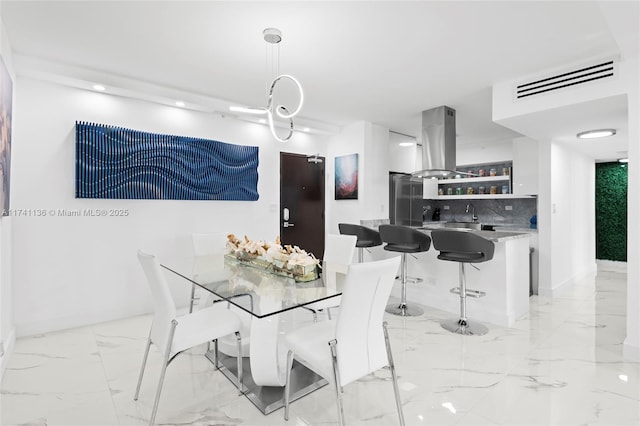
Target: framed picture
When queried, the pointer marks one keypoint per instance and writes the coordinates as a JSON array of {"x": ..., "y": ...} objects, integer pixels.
[
  {"x": 6, "y": 97},
  {"x": 346, "y": 170}
]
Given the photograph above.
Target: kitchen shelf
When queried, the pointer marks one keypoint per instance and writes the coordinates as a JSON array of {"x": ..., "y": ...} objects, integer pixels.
[
  {"x": 481, "y": 196},
  {"x": 473, "y": 180}
]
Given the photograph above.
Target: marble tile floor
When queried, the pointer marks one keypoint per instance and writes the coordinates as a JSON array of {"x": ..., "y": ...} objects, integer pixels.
[{"x": 561, "y": 365}]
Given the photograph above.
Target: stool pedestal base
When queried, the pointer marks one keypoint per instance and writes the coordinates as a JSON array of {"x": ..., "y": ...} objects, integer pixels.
[
  {"x": 464, "y": 327},
  {"x": 403, "y": 310}
]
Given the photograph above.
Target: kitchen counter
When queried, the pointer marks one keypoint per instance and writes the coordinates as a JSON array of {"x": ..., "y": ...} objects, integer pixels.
[
  {"x": 497, "y": 236},
  {"x": 504, "y": 279}
]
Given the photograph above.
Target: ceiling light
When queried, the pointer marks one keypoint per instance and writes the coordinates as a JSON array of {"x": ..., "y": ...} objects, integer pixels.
[
  {"x": 179, "y": 104},
  {"x": 406, "y": 144},
  {"x": 306, "y": 129},
  {"x": 623, "y": 160},
  {"x": 273, "y": 36},
  {"x": 262, "y": 121},
  {"x": 600, "y": 133},
  {"x": 99, "y": 87}
]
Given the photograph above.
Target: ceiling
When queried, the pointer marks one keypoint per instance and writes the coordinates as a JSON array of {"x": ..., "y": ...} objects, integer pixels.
[{"x": 382, "y": 62}]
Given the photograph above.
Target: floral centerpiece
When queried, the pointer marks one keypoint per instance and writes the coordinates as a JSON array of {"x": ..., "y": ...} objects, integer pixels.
[{"x": 285, "y": 260}]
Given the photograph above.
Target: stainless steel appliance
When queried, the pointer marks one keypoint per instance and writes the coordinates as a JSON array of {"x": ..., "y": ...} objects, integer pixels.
[{"x": 405, "y": 199}]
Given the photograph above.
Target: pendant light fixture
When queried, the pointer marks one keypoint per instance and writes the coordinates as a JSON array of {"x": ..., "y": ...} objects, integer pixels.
[{"x": 273, "y": 36}]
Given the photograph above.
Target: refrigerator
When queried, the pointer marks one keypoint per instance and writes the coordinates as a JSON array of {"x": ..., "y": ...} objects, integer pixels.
[{"x": 405, "y": 200}]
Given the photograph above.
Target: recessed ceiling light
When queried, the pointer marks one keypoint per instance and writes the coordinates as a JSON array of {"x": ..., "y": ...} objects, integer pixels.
[
  {"x": 600, "y": 133},
  {"x": 262, "y": 121},
  {"x": 406, "y": 144},
  {"x": 623, "y": 160},
  {"x": 179, "y": 104},
  {"x": 99, "y": 87},
  {"x": 306, "y": 129}
]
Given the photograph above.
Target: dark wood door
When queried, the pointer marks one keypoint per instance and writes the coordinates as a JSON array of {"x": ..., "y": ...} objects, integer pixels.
[{"x": 302, "y": 202}]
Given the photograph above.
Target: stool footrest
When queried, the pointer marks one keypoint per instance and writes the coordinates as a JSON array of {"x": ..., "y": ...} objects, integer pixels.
[{"x": 469, "y": 293}]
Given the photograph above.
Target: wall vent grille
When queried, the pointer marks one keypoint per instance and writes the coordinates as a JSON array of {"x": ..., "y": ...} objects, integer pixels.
[{"x": 580, "y": 76}]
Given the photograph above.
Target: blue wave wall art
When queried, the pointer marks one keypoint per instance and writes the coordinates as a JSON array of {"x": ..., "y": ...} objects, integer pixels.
[{"x": 117, "y": 163}]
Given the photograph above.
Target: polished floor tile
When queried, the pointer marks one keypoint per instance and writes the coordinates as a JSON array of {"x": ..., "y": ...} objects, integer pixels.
[{"x": 561, "y": 365}]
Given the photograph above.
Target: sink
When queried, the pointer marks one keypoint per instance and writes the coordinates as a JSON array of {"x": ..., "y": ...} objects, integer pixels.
[
  {"x": 470, "y": 225},
  {"x": 463, "y": 225}
]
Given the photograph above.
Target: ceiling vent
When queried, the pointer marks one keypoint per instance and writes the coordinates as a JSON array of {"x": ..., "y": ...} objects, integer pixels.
[{"x": 584, "y": 75}]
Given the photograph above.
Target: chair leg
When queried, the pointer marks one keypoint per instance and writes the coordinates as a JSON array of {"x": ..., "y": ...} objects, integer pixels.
[
  {"x": 402, "y": 309},
  {"x": 461, "y": 325},
  {"x": 167, "y": 355},
  {"x": 239, "y": 341},
  {"x": 360, "y": 255},
  {"x": 193, "y": 297},
  {"x": 287, "y": 385},
  {"x": 336, "y": 380},
  {"x": 144, "y": 364},
  {"x": 328, "y": 313},
  {"x": 394, "y": 378},
  {"x": 215, "y": 354}
]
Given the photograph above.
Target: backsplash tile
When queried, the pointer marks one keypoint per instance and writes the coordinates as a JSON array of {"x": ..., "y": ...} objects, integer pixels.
[{"x": 489, "y": 211}]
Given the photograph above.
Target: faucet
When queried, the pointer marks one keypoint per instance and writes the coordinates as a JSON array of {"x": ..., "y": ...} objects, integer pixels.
[{"x": 474, "y": 217}]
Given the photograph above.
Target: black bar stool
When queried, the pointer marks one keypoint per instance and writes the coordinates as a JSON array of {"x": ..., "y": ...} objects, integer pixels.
[
  {"x": 404, "y": 239},
  {"x": 463, "y": 247},
  {"x": 366, "y": 237}
]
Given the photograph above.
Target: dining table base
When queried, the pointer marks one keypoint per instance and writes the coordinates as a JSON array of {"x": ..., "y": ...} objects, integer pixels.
[{"x": 267, "y": 398}]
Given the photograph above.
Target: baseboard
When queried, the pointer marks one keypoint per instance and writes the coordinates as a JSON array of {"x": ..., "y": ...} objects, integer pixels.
[
  {"x": 79, "y": 320},
  {"x": 8, "y": 350},
  {"x": 611, "y": 266},
  {"x": 590, "y": 272},
  {"x": 630, "y": 352}
]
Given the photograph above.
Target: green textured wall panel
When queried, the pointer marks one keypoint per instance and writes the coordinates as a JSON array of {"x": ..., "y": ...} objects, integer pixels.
[{"x": 611, "y": 211}]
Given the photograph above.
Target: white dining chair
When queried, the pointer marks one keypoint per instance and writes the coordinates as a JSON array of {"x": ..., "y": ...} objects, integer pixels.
[
  {"x": 173, "y": 334},
  {"x": 357, "y": 343},
  {"x": 338, "y": 255},
  {"x": 214, "y": 244},
  {"x": 206, "y": 244}
]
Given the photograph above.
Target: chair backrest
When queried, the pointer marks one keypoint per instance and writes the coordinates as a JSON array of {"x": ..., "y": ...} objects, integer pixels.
[
  {"x": 164, "y": 308},
  {"x": 462, "y": 246},
  {"x": 403, "y": 235},
  {"x": 208, "y": 243},
  {"x": 361, "y": 347},
  {"x": 338, "y": 255},
  {"x": 367, "y": 237}
]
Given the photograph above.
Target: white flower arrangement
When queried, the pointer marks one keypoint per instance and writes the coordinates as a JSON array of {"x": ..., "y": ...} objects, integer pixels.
[{"x": 281, "y": 258}]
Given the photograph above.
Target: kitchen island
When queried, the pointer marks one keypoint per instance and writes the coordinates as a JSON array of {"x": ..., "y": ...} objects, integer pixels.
[{"x": 504, "y": 279}]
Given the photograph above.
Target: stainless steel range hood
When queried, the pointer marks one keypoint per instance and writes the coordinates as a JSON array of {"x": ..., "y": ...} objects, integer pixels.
[{"x": 438, "y": 143}]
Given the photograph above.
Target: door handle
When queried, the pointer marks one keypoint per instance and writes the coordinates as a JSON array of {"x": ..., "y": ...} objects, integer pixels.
[{"x": 287, "y": 225}]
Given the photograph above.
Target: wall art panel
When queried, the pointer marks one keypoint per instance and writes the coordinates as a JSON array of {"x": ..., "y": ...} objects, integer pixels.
[{"x": 118, "y": 163}]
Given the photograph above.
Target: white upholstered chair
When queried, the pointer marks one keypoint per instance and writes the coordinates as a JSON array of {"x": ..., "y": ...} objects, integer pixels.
[
  {"x": 357, "y": 343},
  {"x": 173, "y": 334},
  {"x": 338, "y": 255},
  {"x": 206, "y": 244}
]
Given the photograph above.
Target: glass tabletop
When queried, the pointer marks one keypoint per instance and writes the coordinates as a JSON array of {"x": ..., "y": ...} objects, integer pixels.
[{"x": 255, "y": 290}]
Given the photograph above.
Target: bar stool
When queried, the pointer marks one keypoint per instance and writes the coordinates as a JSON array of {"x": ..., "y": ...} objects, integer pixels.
[
  {"x": 463, "y": 247},
  {"x": 366, "y": 237},
  {"x": 404, "y": 239}
]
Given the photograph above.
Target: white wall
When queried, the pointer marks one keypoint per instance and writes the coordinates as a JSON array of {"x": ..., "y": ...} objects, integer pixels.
[
  {"x": 404, "y": 159},
  {"x": 566, "y": 217},
  {"x": 72, "y": 271},
  {"x": 632, "y": 341},
  {"x": 371, "y": 142},
  {"x": 484, "y": 153},
  {"x": 7, "y": 328}
]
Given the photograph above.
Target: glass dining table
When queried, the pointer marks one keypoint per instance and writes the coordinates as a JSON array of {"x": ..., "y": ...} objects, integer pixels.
[{"x": 269, "y": 301}]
